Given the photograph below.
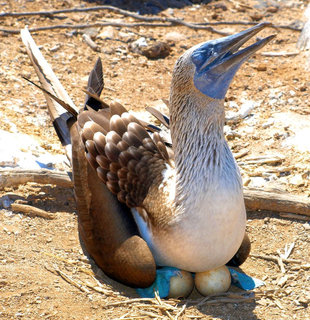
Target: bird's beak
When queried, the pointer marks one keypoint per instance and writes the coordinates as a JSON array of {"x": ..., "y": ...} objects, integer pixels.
[{"x": 215, "y": 72}]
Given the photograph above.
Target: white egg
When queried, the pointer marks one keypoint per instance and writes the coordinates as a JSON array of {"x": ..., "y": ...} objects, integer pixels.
[
  {"x": 181, "y": 285},
  {"x": 213, "y": 281}
]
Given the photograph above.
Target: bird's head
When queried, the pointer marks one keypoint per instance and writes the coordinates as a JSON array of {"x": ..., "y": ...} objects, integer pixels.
[{"x": 211, "y": 66}]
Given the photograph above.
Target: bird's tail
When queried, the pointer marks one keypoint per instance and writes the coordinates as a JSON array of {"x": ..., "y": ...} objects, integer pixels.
[{"x": 60, "y": 106}]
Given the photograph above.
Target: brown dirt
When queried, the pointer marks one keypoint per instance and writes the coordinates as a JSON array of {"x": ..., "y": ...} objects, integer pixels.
[{"x": 33, "y": 249}]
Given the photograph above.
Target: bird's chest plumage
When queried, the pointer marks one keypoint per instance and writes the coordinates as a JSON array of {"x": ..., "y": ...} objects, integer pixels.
[{"x": 206, "y": 232}]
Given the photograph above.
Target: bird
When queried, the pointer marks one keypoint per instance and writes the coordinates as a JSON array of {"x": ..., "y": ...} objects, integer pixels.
[{"x": 142, "y": 201}]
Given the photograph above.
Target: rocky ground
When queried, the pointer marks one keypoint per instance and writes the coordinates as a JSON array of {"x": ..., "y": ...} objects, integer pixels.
[{"x": 43, "y": 272}]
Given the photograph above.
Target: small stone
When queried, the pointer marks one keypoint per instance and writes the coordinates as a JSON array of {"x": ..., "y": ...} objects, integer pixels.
[
  {"x": 256, "y": 16},
  {"x": 107, "y": 33},
  {"x": 91, "y": 32},
  {"x": 297, "y": 180},
  {"x": 3, "y": 283},
  {"x": 272, "y": 9},
  {"x": 157, "y": 51},
  {"x": 137, "y": 45},
  {"x": 306, "y": 226},
  {"x": 230, "y": 135},
  {"x": 261, "y": 67},
  {"x": 174, "y": 36},
  {"x": 268, "y": 123},
  {"x": 55, "y": 48},
  {"x": 76, "y": 17},
  {"x": 220, "y": 6},
  {"x": 5, "y": 202}
]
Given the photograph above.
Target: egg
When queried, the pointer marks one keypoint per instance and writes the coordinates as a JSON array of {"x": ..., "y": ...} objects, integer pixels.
[
  {"x": 181, "y": 285},
  {"x": 213, "y": 281}
]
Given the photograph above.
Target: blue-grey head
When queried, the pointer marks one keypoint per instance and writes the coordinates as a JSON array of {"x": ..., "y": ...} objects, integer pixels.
[{"x": 211, "y": 66}]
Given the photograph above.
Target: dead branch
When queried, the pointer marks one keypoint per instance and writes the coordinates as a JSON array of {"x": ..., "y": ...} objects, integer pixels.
[
  {"x": 67, "y": 279},
  {"x": 91, "y": 43},
  {"x": 139, "y": 17},
  {"x": 117, "y": 24},
  {"x": 274, "y": 259},
  {"x": 280, "y": 202},
  {"x": 15, "y": 177},
  {"x": 31, "y": 211}
]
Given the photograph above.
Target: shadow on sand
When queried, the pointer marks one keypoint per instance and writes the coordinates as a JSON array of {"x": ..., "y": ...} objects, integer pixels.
[{"x": 147, "y": 6}]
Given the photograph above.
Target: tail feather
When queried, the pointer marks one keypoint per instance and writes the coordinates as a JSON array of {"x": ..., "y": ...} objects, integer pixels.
[{"x": 94, "y": 87}]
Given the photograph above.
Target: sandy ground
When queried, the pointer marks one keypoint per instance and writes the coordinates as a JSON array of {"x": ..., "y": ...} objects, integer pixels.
[{"x": 43, "y": 272}]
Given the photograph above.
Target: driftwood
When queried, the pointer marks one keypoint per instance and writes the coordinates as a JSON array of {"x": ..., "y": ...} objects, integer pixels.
[
  {"x": 254, "y": 199},
  {"x": 15, "y": 177},
  {"x": 281, "y": 202}
]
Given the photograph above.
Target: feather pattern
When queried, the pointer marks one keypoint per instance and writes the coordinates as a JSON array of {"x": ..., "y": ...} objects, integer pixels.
[{"x": 122, "y": 152}]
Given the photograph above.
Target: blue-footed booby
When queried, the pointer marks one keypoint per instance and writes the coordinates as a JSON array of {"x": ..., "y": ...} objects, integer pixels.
[{"x": 142, "y": 203}]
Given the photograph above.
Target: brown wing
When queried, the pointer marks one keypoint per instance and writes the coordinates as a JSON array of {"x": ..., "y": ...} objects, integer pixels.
[
  {"x": 127, "y": 159},
  {"x": 106, "y": 227}
]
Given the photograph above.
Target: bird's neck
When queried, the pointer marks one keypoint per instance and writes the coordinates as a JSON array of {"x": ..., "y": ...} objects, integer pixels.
[{"x": 200, "y": 149}]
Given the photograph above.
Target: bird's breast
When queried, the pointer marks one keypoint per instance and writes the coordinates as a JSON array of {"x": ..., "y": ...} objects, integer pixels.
[{"x": 202, "y": 239}]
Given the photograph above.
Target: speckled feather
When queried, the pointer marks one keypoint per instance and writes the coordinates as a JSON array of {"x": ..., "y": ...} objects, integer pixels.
[{"x": 126, "y": 157}]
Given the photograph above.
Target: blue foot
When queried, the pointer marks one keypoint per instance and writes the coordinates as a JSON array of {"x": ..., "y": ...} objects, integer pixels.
[
  {"x": 243, "y": 281},
  {"x": 161, "y": 284}
]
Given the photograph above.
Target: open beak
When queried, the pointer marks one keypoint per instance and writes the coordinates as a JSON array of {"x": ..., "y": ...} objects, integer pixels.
[{"x": 218, "y": 69}]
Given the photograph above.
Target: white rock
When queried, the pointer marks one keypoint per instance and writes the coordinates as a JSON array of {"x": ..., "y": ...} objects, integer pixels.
[
  {"x": 297, "y": 180},
  {"x": 107, "y": 33},
  {"x": 268, "y": 123},
  {"x": 174, "y": 36}
]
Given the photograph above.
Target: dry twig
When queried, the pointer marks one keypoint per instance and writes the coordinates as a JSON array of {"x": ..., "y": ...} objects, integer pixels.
[
  {"x": 117, "y": 24},
  {"x": 67, "y": 279},
  {"x": 86, "y": 271},
  {"x": 91, "y": 43},
  {"x": 164, "y": 22},
  {"x": 31, "y": 211},
  {"x": 274, "y": 259}
]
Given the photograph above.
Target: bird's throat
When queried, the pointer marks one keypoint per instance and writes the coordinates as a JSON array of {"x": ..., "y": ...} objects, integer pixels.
[{"x": 202, "y": 156}]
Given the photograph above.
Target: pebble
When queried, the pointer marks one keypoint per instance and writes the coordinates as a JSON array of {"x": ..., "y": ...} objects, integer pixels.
[
  {"x": 3, "y": 282},
  {"x": 126, "y": 36},
  {"x": 257, "y": 182},
  {"x": 272, "y": 9},
  {"x": 91, "y": 32},
  {"x": 296, "y": 180},
  {"x": 174, "y": 36},
  {"x": 268, "y": 123},
  {"x": 306, "y": 226},
  {"x": 5, "y": 202},
  {"x": 157, "y": 51},
  {"x": 261, "y": 67},
  {"x": 138, "y": 44},
  {"x": 55, "y": 48},
  {"x": 256, "y": 16},
  {"x": 107, "y": 33}
]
